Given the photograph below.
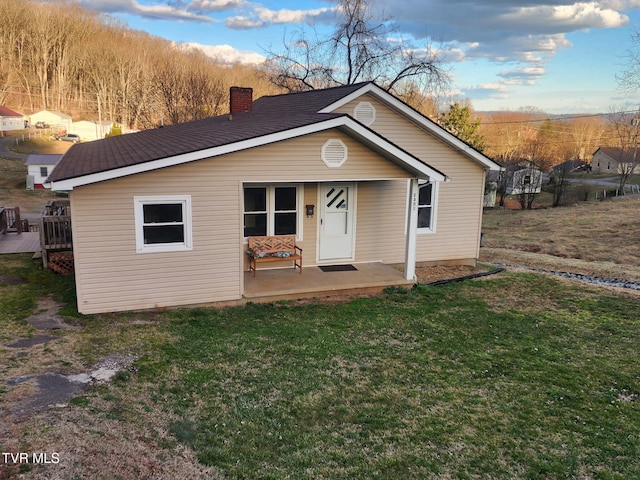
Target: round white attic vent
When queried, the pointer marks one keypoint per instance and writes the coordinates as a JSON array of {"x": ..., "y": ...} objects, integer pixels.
[
  {"x": 365, "y": 113},
  {"x": 334, "y": 153}
]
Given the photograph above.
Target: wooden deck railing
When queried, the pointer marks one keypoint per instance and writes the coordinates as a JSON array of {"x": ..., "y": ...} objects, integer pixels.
[
  {"x": 57, "y": 207},
  {"x": 55, "y": 232},
  {"x": 55, "y": 237},
  {"x": 10, "y": 221}
]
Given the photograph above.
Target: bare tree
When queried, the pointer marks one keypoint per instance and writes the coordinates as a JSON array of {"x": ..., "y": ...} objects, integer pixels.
[
  {"x": 359, "y": 49},
  {"x": 626, "y": 129},
  {"x": 586, "y": 134},
  {"x": 629, "y": 80}
]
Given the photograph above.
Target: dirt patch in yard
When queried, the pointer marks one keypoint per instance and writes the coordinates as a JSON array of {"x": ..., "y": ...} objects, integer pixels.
[
  {"x": 448, "y": 272},
  {"x": 541, "y": 261}
]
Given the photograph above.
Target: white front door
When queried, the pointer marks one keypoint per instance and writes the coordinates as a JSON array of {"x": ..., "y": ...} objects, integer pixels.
[{"x": 336, "y": 222}]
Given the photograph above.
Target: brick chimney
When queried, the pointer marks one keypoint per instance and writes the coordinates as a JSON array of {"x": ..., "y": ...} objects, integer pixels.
[{"x": 240, "y": 99}]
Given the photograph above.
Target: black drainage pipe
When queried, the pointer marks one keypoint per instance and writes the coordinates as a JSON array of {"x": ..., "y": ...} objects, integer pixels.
[{"x": 466, "y": 277}]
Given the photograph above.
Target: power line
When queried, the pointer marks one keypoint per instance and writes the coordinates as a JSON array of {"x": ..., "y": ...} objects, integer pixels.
[{"x": 564, "y": 117}]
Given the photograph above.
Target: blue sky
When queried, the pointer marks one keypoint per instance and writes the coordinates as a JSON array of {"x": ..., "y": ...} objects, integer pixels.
[{"x": 561, "y": 56}]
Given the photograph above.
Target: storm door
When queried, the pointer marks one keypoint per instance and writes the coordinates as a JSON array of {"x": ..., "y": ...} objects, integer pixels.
[{"x": 336, "y": 222}]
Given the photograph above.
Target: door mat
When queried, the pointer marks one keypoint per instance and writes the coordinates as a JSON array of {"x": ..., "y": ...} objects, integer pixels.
[{"x": 337, "y": 268}]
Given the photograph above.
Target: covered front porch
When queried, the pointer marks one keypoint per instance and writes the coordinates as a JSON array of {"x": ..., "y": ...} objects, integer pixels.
[{"x": 287, "y": 284}]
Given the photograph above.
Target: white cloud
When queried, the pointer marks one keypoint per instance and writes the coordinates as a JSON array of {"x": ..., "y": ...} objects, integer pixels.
[
  {"x": 243, "y": 23},
  {"x": 564, "y": 18},
  {"x": 261, "y": 16},
  {"x": 228, "y": 55},
  {"x": 213, "y": 5},
  {"x": 487, "y": 90},
  {"x": 505, "y": 30},
  {"x": 292, "y": 16},
  {"x": 522, "y": 76},
  {"x": 154, "y": 12}
]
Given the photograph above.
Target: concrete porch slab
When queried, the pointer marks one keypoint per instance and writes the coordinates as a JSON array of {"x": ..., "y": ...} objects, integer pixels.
[{"x": 287, "y": 284}]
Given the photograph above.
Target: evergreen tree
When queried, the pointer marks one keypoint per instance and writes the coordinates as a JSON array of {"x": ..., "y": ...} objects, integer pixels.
[{"x": 458, "y": 121}]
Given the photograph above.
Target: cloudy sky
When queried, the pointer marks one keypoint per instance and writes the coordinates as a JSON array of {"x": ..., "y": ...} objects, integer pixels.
[{"x": 561, "y": 56}]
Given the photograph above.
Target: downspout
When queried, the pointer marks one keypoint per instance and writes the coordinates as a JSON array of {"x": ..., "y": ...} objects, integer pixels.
[
  {"x": 412, "y": 229},
  {"x": 484, "y": 181}
]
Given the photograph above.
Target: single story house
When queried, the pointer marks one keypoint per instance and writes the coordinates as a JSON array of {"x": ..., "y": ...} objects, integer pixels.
[
  {"x": 10, "y": 120},
  {"x": 56, "y": 120},
  {"x": 39, "y": 167},
  {"x": 610, "y": 159},
  {"x": 162, "y": 217},
  {"x": 518, "y": 178},
  {"x": 89, "y": 130},
  {"x": 525, "y": 178}
]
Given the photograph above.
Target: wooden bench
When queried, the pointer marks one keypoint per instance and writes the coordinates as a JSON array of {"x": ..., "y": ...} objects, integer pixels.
[{"x": 274, "y": 249}]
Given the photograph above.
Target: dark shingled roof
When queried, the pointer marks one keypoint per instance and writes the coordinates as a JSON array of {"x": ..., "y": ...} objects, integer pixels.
[
  {"x": 149, "y": 145},
  {"x": 269, "y": 115},
  {"x": 311, "y": 101}
]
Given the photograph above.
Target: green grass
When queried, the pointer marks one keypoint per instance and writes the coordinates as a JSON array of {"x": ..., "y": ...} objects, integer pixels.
[
  {"x": 430, "y": 383},
  {"x": 18, "y": 301},
  {"x": 512, "y": 376}
]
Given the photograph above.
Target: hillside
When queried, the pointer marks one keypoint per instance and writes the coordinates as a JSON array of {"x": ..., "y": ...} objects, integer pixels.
[{"x": 59, "y": 56}]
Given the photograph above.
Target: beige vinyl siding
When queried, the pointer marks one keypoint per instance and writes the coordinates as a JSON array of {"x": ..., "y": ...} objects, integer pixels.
[
  {"x": 459, "y": 202},
  {"x": 111, "y": 276},
  {"x": 381, "y": 221}
]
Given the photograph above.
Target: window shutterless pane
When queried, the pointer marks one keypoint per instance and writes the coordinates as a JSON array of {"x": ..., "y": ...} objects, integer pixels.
[
  {"x": 424, "y": 217},
  {"x": 163, "y": 234},
  {"x": 425, "y": 194},
  {"x": 255, "y": 224},
  {"x": 285, "y": 198},
  {"x": 285, "y": 223},
  {"x": 255, "y": 199},
  {"x": 162, "y": 213}
]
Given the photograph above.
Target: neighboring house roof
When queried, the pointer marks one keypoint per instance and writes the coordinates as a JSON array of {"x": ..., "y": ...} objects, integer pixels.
[
  {"x": 43, "y": 159},
  {"x": 614, "y": 153},
  {"x": 272, "y": 119},
  {"x": 92, "y": 123},
  {"x": 61, "y": 115},
  {"x": 570, "y": 166},
  {"x": 7, "y": 112}
]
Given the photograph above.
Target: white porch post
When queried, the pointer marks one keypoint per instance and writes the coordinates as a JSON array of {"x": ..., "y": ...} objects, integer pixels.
[{"x": 412, "y": 226}]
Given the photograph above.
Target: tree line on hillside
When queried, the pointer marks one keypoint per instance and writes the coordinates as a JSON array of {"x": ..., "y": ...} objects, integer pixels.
[{"x": 59, "y": 56}]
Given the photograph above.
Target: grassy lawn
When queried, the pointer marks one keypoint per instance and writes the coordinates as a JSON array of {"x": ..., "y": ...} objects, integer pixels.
[
  {"x": 603, "y": 231},
  {"x": 512, "y": 376}
]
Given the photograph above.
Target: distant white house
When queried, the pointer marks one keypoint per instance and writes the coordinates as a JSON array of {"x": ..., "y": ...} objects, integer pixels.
[
  {"x": 10, "y": 120},
  {"x": 525, "y": 178},
  {"x": 57, "y": 120},
  {"x": 39, "y": 167},
  {"x": 91, "y": 130}
]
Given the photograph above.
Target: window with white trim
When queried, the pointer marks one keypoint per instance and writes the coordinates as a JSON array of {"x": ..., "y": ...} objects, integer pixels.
[
  {"x": 426, "y": 205},
  {"x": 163, "y": 223},
  {"x": 272, "y": 210}
]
